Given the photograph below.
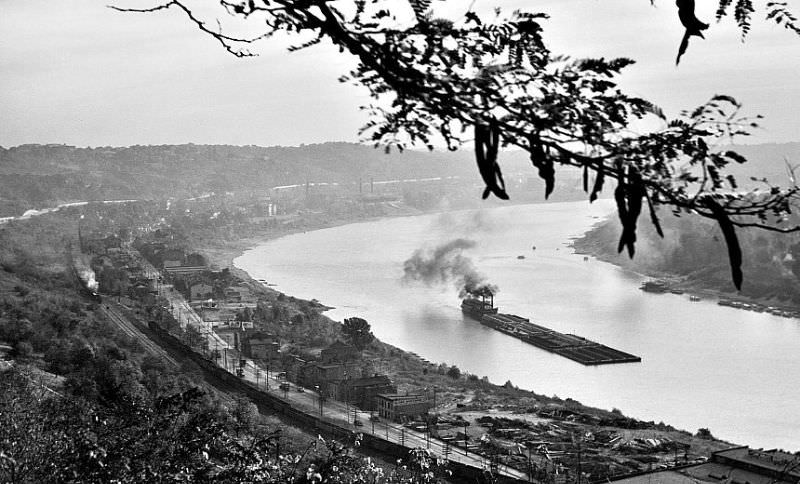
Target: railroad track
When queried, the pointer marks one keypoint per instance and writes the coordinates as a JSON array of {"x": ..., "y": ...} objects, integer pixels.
[{"x": 126, "y": 326}]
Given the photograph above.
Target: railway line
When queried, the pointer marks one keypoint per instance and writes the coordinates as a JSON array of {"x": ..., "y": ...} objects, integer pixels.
[{"x": 114, "y": 314}]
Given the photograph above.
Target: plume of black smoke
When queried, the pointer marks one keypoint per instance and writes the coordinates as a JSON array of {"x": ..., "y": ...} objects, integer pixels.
[{"x": 447, "y": 264}]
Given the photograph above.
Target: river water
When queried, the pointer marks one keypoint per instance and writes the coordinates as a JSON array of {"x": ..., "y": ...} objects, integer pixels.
[{"x": 703, "y": 365}]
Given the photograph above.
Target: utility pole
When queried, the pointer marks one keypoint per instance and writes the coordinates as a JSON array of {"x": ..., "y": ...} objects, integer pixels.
[
  {"x": 530, "y": 465},
  {"x": 466, "y": 439},
  {"x": 428, "y": 430},
  {"x": 347, "y": 399}
]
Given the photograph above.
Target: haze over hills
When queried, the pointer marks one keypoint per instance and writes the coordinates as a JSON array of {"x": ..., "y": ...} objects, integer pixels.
[{"x": 37, "y": 175}]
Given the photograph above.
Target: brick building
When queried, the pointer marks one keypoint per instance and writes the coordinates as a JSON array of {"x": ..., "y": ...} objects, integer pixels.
[
  {"x": 402, "y": 408},
  {"x": 261, "y": 346},
  {"x": 363, "y": 392}
]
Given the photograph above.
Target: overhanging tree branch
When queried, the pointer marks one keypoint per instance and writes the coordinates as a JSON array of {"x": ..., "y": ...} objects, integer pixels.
[{"x": 435, "y": 78}]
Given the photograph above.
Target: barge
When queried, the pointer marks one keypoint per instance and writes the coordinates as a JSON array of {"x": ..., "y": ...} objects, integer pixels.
[{"x": 574, "y": 347}]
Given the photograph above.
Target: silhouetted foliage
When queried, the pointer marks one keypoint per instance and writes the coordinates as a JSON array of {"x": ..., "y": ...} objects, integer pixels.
[
  {"x": 358, "y": 332},
  {"x": 454, "y": 372}
]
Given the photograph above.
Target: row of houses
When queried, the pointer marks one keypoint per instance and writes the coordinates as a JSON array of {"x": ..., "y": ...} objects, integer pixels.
[{"x": 338, "y": 374}]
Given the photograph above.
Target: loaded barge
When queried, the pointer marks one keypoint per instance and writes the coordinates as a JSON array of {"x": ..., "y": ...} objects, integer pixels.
[{"x": 576, "y": 348}]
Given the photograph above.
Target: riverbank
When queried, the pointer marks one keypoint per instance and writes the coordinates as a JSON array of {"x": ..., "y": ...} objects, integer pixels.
[{"x": 722, "y": 292}]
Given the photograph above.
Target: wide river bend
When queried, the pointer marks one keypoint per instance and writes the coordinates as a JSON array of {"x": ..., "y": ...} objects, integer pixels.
[{"x": 703, "y": 365}]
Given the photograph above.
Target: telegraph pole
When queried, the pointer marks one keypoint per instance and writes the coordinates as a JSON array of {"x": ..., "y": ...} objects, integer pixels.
[
  {"x": 428, "y": 431},
  {"x": 466, "y": 439}
]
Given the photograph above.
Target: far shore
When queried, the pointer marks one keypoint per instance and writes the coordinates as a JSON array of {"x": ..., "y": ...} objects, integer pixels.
[{"x": 688, "y": 286}]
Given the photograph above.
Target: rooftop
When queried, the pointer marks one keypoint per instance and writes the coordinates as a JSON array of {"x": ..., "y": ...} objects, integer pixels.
[
  {"x": 771, "y": 460},
  {"x": 398, "y": 396}
]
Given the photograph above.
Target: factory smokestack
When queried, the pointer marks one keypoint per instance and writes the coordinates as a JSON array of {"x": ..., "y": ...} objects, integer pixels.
[{"x": 447, "y": 264}]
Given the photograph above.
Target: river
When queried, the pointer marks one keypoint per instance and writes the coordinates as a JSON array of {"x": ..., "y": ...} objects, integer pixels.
[{"x": 703, "y": 365}]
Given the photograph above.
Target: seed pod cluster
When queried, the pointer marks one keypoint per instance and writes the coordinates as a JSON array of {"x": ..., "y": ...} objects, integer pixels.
[
  {"x": 487, "y": 143},
  {"x": 541, "y": 159},
  {"x": 628, "y": 195}
]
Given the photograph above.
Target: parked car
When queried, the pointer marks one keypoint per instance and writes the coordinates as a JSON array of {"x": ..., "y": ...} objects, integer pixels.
[
  {"x": 358, "y": 423},
  {"x": 284, "y": 386}
]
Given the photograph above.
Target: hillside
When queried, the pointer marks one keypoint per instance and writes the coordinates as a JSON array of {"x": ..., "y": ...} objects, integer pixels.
[
  {"x": 38, "y": 176},
  {"x": 35, "y": 175}
]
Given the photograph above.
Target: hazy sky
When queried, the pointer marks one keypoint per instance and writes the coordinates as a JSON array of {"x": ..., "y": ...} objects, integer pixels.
[{"x": 76, "y": 72}]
